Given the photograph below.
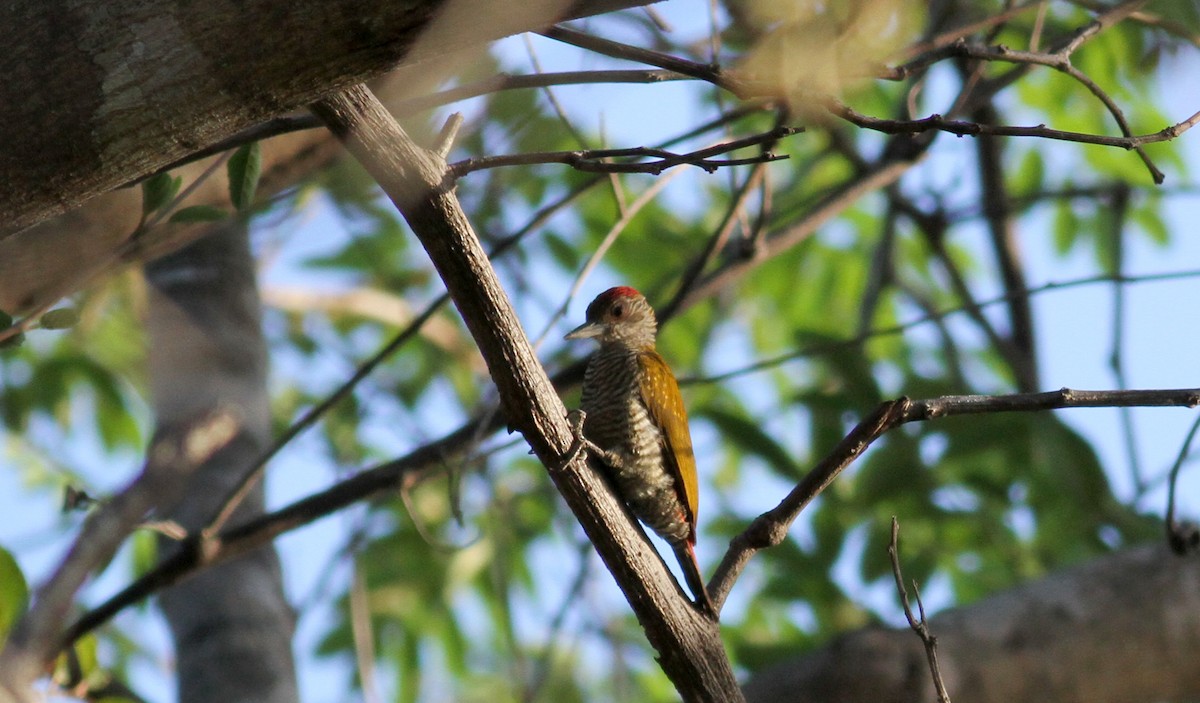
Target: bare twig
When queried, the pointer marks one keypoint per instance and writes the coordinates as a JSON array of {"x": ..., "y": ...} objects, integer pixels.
[
  {"x": 445, "y": 139},
  {"x": 918, "y": 625},
  {"x": 608, "y": 47},
  {"x": 500, "y": 82},
  {"x": 771, "y": 362},
  {"x": 964, "y": 128},
  {"x": 596, "y": 160},
  {"x": 770, "y": 528},
  {"x": 1059, "y": 59},
  {"x": 1182, "y": 536},
  {"x": 1119, "y": 210},
  {"x": 597, "y": 256},
  {"x": 756, "y": 178},
  {"x": 363, "y": 634},
  {"x": 171, "y": 458},
  {"x": 1019, "y": 346}
]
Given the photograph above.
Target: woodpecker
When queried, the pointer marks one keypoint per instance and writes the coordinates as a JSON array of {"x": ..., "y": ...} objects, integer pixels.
[{"x": 634, "y": 415}]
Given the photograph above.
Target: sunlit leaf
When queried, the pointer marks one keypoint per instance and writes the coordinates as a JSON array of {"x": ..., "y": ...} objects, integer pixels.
[
  {"x": 14, "y": 592},
  {"x": 244, "y": 168}
]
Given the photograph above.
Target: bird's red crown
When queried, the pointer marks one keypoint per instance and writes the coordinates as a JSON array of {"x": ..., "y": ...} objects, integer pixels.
[
  {"x": 606, "y": 299},
  {"x": 618, "y": 292}
]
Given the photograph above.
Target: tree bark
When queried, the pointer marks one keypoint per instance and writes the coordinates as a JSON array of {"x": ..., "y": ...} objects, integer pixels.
[
  {"x": 688, "y": 643},
  {"x": 1119, "y": 629},
  {"x": 231, "y": 623},
  {"x": 97, "y": 94}
]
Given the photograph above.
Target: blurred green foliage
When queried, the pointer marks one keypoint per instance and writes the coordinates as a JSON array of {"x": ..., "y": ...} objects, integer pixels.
[{"x": 508, "y": 603}]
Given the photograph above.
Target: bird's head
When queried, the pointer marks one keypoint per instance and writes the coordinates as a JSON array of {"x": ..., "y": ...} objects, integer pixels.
[{"x": 619, "y": 315}]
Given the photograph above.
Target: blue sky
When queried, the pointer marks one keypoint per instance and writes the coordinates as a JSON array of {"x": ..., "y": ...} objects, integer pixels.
[{"x": 1073, "y": 328}]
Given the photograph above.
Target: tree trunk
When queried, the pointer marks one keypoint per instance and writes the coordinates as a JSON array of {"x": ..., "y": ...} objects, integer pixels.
[
  {"x": 1119, "y": 629},
  {"x": 97, "y": 94},
  {"x": 232, "y": 625}
]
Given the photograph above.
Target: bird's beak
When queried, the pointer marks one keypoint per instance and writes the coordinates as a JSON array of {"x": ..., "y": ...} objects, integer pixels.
[{"x": 586, "y": 331}]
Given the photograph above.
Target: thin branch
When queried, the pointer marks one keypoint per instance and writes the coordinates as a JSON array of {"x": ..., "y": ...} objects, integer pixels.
[
  {"x": 918, "y": 625},
  {"x": 771, "y": 362},
  {"x": 493, "y": 84},
  {"x": 628, "y": 52},
  {"x": 170, "y": 459},
  {"x": 949, "y": 37},
  {"x": 606, "y": 243},
  {"x": 545, "y": 662},
  {"x": 1119, "y": 209},
  {"x": 1182, "y": 536},
  {"x": 715, "y": 243},
  {"x": 1019, "y": 345},
  {"x": 756, "y": 178},
  {"x": 970, "y": 129},
  {"x": 771, "y": 528},
  {"x": 364, "y": 636},
  {"x": 596, "y": 160},
  {"x": 559, "y": 110},
  {"x": 1059, "y": 59}
]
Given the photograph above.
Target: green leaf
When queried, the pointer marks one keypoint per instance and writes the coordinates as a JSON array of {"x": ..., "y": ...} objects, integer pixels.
[
  {"x": 158, "y": 190},
  {"x": 14, "y": 592},
  {"x": 6, "y": 321},
  {"x": 245, "y": 166},
  {"x": 60, "y": 319},
  {"x": 86, "y": 664},
  {"x": 199, "y": 213}
]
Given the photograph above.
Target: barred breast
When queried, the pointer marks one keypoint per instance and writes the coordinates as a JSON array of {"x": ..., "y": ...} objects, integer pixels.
[{"x": 618, "y": 422}]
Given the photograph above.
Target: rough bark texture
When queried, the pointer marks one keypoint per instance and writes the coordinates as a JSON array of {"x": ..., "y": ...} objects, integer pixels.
[
  {"x": 231, "y": 623},
  {"x": 53, "y": 258},
  {"x": 689, "y": 644},
  {"x": 1118, "y": 629},
  {"x": 96, "y": 94}
]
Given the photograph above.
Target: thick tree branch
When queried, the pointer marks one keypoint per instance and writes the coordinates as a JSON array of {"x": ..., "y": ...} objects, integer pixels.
[
  {"x": 84, "y": 113},
  {"x": 1120, "y": 628},
  {"x": 688, "y": 643}
]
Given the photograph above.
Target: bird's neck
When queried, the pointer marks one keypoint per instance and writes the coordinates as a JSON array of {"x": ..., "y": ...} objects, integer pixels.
[{"x": 627, "y": 347}]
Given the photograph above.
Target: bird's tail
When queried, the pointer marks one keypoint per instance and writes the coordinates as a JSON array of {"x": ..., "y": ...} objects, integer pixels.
[{"x": 686, "y": 555}]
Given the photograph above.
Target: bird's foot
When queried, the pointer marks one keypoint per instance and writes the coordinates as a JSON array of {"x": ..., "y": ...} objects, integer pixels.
[{"x": 578, "y": 441}]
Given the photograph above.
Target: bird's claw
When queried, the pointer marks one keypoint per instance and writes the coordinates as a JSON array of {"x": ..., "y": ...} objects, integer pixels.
[{"x": 578, "y": 441}]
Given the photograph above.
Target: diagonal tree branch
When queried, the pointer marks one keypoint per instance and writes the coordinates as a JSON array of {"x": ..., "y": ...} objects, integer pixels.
[
  {"x": 688, "y": 643},
  {"x": 770, "y": 528}
]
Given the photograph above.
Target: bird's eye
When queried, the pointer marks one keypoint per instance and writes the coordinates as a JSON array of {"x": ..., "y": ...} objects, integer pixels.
[{"x": 618, "y": 310}]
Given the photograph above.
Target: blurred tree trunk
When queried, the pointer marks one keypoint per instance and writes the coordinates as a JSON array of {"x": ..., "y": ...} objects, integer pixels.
[
  {"x": 98, "y": 94},
  {"x": 1119, "y": 629},
  {"x": 231, "y": 623}
]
